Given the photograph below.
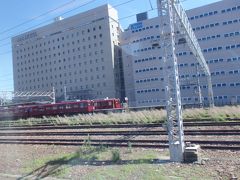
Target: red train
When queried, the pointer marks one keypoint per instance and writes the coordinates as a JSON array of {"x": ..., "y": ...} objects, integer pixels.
[{"x": 63, "y": 108}]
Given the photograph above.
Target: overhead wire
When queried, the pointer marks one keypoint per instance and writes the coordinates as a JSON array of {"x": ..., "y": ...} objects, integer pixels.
[
  {"x": 91, "y": 22},
  {"x": 7, "y": 52},
  {"x": 36, "y": 17},
  {"x": 49, "y": 20},
  {"x": 25, "y": 22},
  {"x": 30, "y": 28},
  {"x": 82, "y": 5},
  {"x": 4, "y": 75},
  {"x": 8, "y": 79}
]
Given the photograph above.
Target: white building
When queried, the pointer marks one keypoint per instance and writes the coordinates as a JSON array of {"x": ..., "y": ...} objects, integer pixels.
[
  {"x": 79, "y": 53},
  {"x": 82, "y": 53},
  {"x": 217, "y": 27}
]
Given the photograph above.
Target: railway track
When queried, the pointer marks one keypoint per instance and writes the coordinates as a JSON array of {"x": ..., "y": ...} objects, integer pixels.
[
  {"x": 139, "y": 132},
  {"x": 65, "y": 135},
  {"x": 115, "y": 126},
  {"x": 118, "y": 141},
  {"x": 217, "y": 145}
]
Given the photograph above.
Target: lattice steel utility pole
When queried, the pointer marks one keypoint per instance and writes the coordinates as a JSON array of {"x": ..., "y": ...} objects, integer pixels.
[
  {"x": 172, "y": 88},
  {"x": 50, "y": 94},
  {"x": 199, "y": 91},
  {"x": 172, "y": 19},
  {"x": 5, "y": 96}
]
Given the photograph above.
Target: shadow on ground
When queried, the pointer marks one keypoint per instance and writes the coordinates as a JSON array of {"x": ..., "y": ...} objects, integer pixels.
[{"x": 85, "y": 157}]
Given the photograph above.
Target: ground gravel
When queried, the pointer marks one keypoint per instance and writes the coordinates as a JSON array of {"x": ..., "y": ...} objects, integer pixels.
[{"x": 15, "y": 159}]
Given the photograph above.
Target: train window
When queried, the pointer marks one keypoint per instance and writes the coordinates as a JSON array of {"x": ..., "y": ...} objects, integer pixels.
[
  {"x": 68, "y": 106},
  {"x": 16, "y": 110},
  {"x": 54, "y": 108},
  {"x": 104, "y": 104},
  {"x": 41, "y": 109},
  {"x": 75, "y": 106},
  {"x": 35, "y": 109},
  {"x": 110, "y": 103},
  {"x": 97, "y": 104},
  {"x": 60, "y": 107},
  {"x": 48, "y": 108},
  {"x": 81, "y": 105}
]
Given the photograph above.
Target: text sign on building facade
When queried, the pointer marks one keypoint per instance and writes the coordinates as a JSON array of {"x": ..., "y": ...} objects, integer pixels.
[
  {"x": 27, "y": 36},
  {"x": 136, "y": 26}
]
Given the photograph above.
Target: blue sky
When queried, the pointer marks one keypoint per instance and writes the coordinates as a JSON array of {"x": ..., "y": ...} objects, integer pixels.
[{"x": 13, "y": 14}]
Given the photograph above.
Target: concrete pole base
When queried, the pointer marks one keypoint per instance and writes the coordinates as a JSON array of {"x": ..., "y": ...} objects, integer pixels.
[{"x": 191, "y": 153}]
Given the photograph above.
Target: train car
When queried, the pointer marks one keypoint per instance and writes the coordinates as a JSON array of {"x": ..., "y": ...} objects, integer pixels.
[
  {"x": 107, "y": 104},
  {"x": 7, "y": 113},
  {"x": 62, "y": 108}
]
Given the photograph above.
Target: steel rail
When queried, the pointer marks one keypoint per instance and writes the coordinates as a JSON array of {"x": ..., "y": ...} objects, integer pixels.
[
  {"x": 64, "y": 126},
  {"x": 138, "y": 132},
  {"x": 100, "y": 143}
]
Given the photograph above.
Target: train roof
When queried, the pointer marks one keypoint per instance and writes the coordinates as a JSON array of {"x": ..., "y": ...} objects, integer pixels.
[
  {"x": 107, "y": 99},
  {"x": 38, "y": 104}
]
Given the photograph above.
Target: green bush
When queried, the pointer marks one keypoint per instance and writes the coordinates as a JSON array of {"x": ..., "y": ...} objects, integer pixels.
[
  {"x": 116, "y": 155},
  {"x": 129, "y": 147}
]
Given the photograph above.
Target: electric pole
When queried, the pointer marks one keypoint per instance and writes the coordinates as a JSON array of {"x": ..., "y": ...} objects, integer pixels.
[{"x": 174, "y": 19}]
